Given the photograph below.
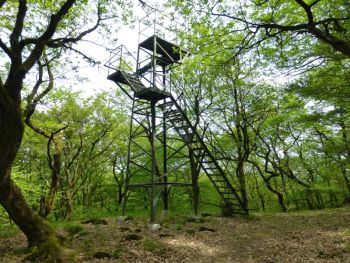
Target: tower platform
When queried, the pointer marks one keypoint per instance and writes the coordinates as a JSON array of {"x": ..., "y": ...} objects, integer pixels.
[
  {"x": 169, "y": 52},
  {"x": 152, "y": 94},
  {"x": 140, "y": 91}
]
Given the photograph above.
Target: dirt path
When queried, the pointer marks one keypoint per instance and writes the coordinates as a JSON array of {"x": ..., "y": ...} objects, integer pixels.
[{"x": 319, "y": 236}]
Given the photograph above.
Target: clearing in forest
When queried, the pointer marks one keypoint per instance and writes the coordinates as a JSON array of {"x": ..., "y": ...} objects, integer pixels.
[{"x": 316, "y": 236}]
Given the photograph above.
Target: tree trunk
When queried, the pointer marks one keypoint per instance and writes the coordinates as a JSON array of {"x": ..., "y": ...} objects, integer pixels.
[
  {"x": 47, "y": 204},
  {"x": 69, "y": 206},
  {"x": 261, "y": 197},
  {"x": 279, "y": 195},
  {"x": 242, "y": 184},
  {"x": 38, "y": 232},
  {"x": 309, "y": 199},
  {"x": 346, "y": 179},
  {"x": 34, "y": 227}
]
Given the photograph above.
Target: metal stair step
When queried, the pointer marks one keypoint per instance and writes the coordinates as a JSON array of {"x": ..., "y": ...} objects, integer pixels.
[
  {"x": 222, "y": 186},
  {"x": 165, "y": 104},
  {"x": 185, "y": 126},
  {"x": 176, "y": 119},
  {"x": 210, "y": 168},
  {"x": 174, "y": 116},
  {"x": 209, "y": 161},
  {"x": 171, "y": 111},
  {"x": 219, "y": 181}
]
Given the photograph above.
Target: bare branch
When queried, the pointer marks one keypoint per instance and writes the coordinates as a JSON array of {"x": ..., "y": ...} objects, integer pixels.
[
  {"x": 314, "y": 3},
  {"x": 33, "y": 99},
  {"x": 100, "y": 137},
  {"x": 311, "y": 27},
  {"x": 77, "y": 153},
  {"x": 63, "y": 41},
  {"x": 47, "y": 35},
  {"x": 104, "y": 149},
  {"x": 6, "y": 49},
  {"x": 87, "y": 58},
  {"x": 30, "y": 108},
  {"x": 17, "y": 31},
  {"x": 49, "y": 86},
  {"x": 308, "y": 11}
]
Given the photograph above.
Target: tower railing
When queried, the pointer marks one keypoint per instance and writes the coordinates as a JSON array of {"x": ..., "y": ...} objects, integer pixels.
[{"x": 120, "y": 58}]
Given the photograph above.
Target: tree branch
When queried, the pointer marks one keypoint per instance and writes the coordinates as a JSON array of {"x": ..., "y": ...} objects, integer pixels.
[
  {"x": 87, "y": 58},
  {"x": 63, "y": 41},
  {"x": 308, "y": 11},
  {"x": 17, "y": 31},
  {"x": 251, "y": 28},
  {"x": 314, "y": 3},
  {"x": 33, "y": 100},
  {"x": 6, "y": 49},
  {"x": 77, "y": 153},
  {"x": 47, "y": 35},
  {"x": 51, "y": 138}
]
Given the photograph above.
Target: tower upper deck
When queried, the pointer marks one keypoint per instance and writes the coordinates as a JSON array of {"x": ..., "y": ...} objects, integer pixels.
[{"x": 168, "y": 52}]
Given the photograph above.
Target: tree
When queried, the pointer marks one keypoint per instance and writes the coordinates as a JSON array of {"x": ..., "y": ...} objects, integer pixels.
[
  {"x": 23, "y": 43},
  {"x": 254, "y": 22}
]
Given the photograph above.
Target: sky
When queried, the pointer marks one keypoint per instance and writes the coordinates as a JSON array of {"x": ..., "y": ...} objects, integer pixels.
[
  {"x": 129, "y": 37},
  {"x": 96, "y": 77}
]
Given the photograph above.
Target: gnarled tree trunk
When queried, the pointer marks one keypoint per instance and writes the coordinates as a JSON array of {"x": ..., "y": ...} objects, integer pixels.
[{"x": 38, "y": 232}]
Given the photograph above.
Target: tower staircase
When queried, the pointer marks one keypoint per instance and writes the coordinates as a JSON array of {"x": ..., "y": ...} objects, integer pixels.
[{"x": 201, "y": 140}]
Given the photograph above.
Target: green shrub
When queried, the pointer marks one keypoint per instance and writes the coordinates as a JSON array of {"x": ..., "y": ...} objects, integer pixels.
[{"x": 73, "y": 228}]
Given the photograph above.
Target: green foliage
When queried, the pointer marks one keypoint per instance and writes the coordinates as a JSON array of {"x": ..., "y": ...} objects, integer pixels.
[
  {"x": 153, "y": 246},
  {"x": 86, "y": 147},
  {"x": 292, "y": 139},
  {"x": 73, "y": 228},
  {"x": 25, "y": 180},
  {"x": 7, "y": 231}
]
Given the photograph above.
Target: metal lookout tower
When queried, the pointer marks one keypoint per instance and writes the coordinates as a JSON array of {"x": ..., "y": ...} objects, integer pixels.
[{"x": 160, "y": 129}]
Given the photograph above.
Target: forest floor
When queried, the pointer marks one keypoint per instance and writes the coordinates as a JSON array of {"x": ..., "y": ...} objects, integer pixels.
[{"x": 316, "y": 236}]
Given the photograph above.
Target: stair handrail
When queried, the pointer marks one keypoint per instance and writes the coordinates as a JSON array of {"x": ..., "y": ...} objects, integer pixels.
[{"x": 204, "y": 146}]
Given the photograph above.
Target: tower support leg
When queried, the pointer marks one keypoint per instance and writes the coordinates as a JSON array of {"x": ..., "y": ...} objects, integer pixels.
[{"x": 153, "y": 225}]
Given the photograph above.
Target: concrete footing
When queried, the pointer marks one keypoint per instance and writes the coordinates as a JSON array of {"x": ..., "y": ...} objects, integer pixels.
[
  {"x": 153, "y": 226},
  {"x": 122, "y": 218},
  {"x": 196, "y": 218}
]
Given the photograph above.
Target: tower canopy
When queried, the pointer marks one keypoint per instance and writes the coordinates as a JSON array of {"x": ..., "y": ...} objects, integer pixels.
[{"x": 168, "y": 52}]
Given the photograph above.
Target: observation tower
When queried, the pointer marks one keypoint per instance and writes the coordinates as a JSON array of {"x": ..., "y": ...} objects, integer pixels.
[{"x": 161, "y": 133}]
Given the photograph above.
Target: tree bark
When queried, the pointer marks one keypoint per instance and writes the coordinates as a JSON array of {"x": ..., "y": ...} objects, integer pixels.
[
  {"x": 261, "y": 197},
  {"x": 69, "y": 206},
  {"x": 48, "y": 201},
  {"x": 34, "y": 227},
  {"x": 242, "y": 184},
  {"x": 37, "y": 231}
]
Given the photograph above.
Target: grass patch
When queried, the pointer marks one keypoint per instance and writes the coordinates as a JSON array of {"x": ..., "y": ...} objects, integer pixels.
[
  {"x": 73, "y": 228},
  {"x": 153, "y": 246},
  {"x": 9, "y": 231},
  {"x": 119, "y": 251},
  {"x": 347, "y": 248}
]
